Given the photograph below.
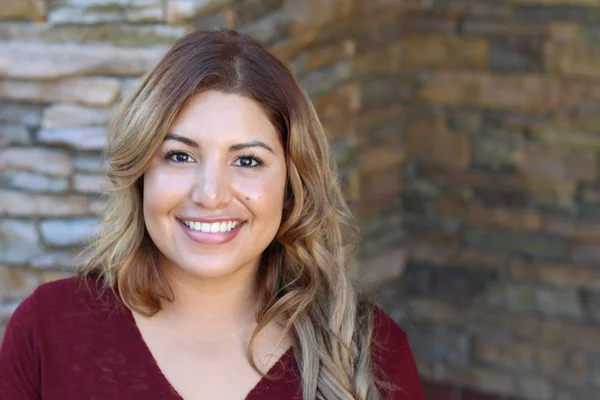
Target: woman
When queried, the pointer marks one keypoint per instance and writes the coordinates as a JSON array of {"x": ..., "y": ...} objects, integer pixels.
[{"x": 223, "y": 254}]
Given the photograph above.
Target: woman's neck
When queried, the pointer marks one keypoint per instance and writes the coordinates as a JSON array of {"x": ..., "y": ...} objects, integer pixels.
[{"x": 211, "y": 308}]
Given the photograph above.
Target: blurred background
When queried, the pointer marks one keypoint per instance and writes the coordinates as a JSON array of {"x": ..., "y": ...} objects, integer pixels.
[{"x": 467, "y": 134}]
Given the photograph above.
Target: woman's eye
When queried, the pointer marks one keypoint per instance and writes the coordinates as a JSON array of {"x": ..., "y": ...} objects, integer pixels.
[
  {"x": 179, "y": 157},
  {"x": 249, "y": 161}
]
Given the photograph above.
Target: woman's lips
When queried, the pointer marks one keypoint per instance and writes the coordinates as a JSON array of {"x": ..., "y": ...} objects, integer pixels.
[{"x": 211, "y": 238}]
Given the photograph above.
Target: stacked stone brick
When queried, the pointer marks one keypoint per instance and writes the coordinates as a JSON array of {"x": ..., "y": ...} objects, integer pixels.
[{"x": 466, "y": 132}]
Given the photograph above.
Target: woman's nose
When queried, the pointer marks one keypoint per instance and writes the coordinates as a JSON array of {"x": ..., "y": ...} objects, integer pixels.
[{"x": 212, "y": 186}]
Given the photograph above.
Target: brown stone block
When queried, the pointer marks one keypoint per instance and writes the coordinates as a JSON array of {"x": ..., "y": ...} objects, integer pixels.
[
  {"x": 503, "y": 27},
  {"x": 481, "y": 321},
  {"x": 580, "y": 133},
  {"x": 382, "y": 6},
  {"x": 554, "y": 2},
  {"x": 380, "y": 159},
  {"x": 472, "y": 178},
  {"x": 504, "y": 218},
  {"x": 461, "y": 8},
  {"x": 385, "y": 268},
  {"x": 23, "y": 9},
  {"x": 426, "y": 139},
  {"x": 572, "y": 229},
  {"x": 483, "y": 378},
  {"x": 327, "y": 55},
  {"x": 556, "y": 274},
  {"x": 575, "y": 59},
  {"x": 310, "y": 14},
  {"x": 557, "y": 164},
  {"x": 379, "y": 192},
  {"x": 338, "y": 103},
  {"x": 527, "y": 93},
  {"x": 366, "y": 120},
  {"x": 249, "y": 11},
  {"x": 451, "y": 257},
  {"x": 518, "y": 356},
  {"x": 444, "y": 52},
  {"x": 379, "y": 62},
  {"x": 289, "y": 49}
]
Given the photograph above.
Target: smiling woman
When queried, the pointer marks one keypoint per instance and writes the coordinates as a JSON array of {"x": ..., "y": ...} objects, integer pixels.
[{"x": 222, "y": 270}]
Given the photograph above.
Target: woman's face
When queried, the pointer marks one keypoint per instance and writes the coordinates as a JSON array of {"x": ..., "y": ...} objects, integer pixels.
[{"x": 213, "y": 194}]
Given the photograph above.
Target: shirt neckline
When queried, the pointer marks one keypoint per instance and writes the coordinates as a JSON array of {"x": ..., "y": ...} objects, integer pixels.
[{"x": 157, "y": 373}]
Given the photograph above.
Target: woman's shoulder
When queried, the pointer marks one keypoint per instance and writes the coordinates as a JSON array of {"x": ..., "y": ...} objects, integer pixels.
[
  {"x": 393, "y": 358},
  {"x": 53, "y": 302}
]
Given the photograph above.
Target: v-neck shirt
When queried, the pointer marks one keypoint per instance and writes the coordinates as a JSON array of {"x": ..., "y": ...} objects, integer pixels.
[{"x": 70, "y": 341}]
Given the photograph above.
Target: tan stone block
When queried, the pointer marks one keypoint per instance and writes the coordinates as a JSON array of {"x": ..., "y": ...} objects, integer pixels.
[
  {"x": 97, "y": 207},
  {"x": 506, "y": 218},
  {"x": 36, "y": 159},
  {"x": 55, "y": 61},
  {"x": 50, "y": 276},
  {"x": 17, "y": 283},
  {"x": 83, "y": 138},
  {"x": 84, "y": 183},
  {"x": 74, "y": 116},
  {"x": 564, "y": 31},
  {"x": 444, "y": 52},
  {"x": 86, "y": 90},
  {"x": 23, "y": 9},
  {"x": 526, "y": 93},
  {"x": 179, "y": 11},
  {"x": 383, "y": 269},
  {"x": 21, "y": 204}
]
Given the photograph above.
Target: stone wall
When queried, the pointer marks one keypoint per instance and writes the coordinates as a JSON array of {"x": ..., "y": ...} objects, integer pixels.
[{"x": 467, "y": 137}]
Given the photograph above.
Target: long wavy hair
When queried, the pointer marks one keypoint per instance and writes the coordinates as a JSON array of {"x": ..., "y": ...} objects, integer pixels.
[{"x": 305, "y": 274}]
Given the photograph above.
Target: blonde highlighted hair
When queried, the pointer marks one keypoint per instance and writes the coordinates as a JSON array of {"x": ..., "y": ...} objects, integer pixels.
[{"x": 304, "y": 274}]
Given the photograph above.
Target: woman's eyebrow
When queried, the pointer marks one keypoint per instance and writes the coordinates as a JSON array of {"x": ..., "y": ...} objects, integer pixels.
[
  {"x": 252, "y": 143},
  {"x": 234, "y": 147},
  {"x": 182, "y": 139}
]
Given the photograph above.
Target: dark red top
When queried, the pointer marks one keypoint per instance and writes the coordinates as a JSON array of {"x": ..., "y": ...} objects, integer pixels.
[{"x": 66, "y": 343}]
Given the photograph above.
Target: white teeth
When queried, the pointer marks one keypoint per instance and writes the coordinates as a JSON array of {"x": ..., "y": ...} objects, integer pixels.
[
  {"x": 205, "y": 227},
  {"x": 215, "y": 227}
]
